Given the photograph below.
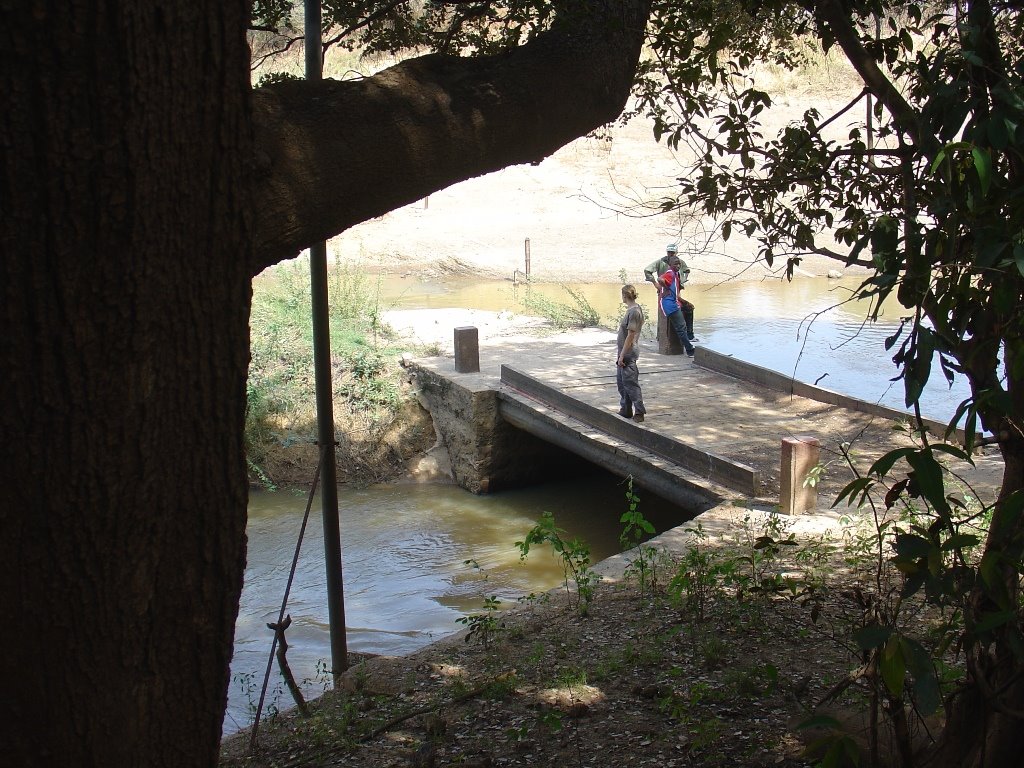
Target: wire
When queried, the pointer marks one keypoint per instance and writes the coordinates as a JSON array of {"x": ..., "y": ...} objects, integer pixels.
[{"x": 284, "y": 600}]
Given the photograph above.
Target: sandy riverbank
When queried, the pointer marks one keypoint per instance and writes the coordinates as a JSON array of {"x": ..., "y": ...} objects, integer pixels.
[{"x": 588, "y": 212}]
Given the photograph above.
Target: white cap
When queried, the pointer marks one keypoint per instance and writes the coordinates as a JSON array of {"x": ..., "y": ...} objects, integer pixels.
[{"x": 672, "y": 248}]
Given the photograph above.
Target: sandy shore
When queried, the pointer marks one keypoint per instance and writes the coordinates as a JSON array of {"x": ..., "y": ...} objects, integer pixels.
[{"x": 588, "y": 212}]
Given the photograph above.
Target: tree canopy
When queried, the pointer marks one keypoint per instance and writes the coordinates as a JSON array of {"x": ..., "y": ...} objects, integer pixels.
[{"x": 918, "y": 177}]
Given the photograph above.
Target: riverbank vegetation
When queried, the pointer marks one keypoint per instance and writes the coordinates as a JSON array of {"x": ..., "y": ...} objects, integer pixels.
[
  {"x": 378, "y": 426},
  {"x": 743, "y": 644}
]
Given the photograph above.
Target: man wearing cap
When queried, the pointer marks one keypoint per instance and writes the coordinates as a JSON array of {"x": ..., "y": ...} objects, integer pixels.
[
  {"x": 670, "y": 305},
  {"x": 671, "y": 260}
]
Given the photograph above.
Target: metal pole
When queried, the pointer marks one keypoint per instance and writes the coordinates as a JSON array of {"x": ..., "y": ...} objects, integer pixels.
[
  {"x": 325, "y": 397},
  {"x": 526, "y": 249}
]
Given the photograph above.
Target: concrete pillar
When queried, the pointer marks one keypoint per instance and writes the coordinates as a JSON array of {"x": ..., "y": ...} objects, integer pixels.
[
  {"x": 467, "y": 349},
  {"x": 799, "y": 456},
  {"x": 668, "y": 339}
]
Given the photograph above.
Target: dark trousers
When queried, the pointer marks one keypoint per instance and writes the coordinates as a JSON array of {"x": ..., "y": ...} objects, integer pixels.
[
  {"x": 627, "y": 379},
  {"x": 679, "y": 326},
  {"x": 687, "y": 309}
]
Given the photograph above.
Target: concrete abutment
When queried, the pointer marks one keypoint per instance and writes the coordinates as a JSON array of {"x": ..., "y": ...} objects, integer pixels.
[{"x": 486, "y": 453}]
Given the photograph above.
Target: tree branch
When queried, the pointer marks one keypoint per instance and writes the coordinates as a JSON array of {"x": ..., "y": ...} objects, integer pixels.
[
  {"x": 832, "y": 13},
  {"x": 332, "y": 154}
]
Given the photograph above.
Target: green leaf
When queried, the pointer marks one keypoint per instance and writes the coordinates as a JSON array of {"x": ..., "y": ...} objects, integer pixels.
[
  {"x": 998, "y": 130},
  {"x": 955, "y": 146},
  {"x": 953, "y": 451},
  {"x": 918, "y": 367},
  {"x": 913, "y": 583},
  {"x": 912, "y": 546},
  {"x": 926, "y": 683},
  {"x": 860, "y": 485},
  {"x": 960, "y": 541},
  {"x": 873, "y": 636},
  {"x": 983, "y": 167},
  {"x": 928, "y": 474},
  {"x": 893, "y": 666},
  {"x": 990, "y": 621},
  {"x": 884, "y": 464},
  {"x": 819, "y": 721}
]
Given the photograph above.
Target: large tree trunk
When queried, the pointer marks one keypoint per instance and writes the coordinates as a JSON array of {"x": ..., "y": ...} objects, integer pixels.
[
  {"x": 985, "y": 720},
  {"x": 125, "y": 256},
  {"x": 124, "y": 298}
]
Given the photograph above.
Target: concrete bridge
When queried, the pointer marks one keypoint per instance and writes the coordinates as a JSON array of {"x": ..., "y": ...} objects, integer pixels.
[{"x": 714, "y": 431}]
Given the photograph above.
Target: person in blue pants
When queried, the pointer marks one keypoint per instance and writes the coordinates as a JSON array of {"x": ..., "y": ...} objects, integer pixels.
[
  {"x": 672, "y": 308},
  {"x": 657, "y": 268}
]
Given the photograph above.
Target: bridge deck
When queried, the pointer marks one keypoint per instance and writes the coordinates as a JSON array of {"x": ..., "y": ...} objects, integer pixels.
[{"x": 570, "y": 381}]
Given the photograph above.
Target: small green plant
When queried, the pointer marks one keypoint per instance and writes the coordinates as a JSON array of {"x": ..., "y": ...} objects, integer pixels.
[
  {"x": 635, "y": 527},
  {"x": 276, "y": 77},
  {"x": 819, "y": 471},
  {"x": 705, "y": 732},
  {"x": 574, "y": 555},
  {"x": 483, "y": 626},
  {"x": 700, "y": 576},
  {"x": 835, "y": 746},
  {"x": 713, "y": 650},
  {"x": 502, "y": 686},
  {"x": 262, "y": 477},
  {"x": 760, "y": 548},
  {"x": 814, "y": 476},
  {"x": 755, "y": 681},
  {"x": 322, "y": 678},
  {"x": 552, "y": 720},
  {"x": 247, "y": 682}
]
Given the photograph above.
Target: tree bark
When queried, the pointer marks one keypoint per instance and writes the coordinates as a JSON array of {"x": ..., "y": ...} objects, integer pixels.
[
  {"x": 983, "y": 730},
  {"x": 126, "y": 250},
  {"x": 124, "y": 298},
  {"x": 332, "y": 154}
]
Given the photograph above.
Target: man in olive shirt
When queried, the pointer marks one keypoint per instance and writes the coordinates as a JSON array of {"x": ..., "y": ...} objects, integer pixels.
[{"x": 657, "y": 268}]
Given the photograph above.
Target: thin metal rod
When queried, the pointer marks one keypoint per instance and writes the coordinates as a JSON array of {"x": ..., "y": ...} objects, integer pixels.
[{"x": 325, "y": 395}]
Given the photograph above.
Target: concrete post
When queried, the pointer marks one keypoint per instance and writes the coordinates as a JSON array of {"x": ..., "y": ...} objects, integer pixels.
[
  {"x": 467, "y": 349},
  {"x": 799, "y": 456},
  {"x": 668, "y": 339}
]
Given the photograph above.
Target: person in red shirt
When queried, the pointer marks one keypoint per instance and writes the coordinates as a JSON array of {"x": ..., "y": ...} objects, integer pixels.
[{"x": 670, "y": 305}]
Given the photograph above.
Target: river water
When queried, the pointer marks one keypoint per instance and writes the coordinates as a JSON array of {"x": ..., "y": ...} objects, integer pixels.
[
  {"x": 405, "y": 547},
  {"x": 404, "y": 557}
]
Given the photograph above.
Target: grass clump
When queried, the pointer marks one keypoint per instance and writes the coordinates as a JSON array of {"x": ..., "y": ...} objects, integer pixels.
[
  {"x": 281, "y": 410},
  {"x": 577, "y": 312}
]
